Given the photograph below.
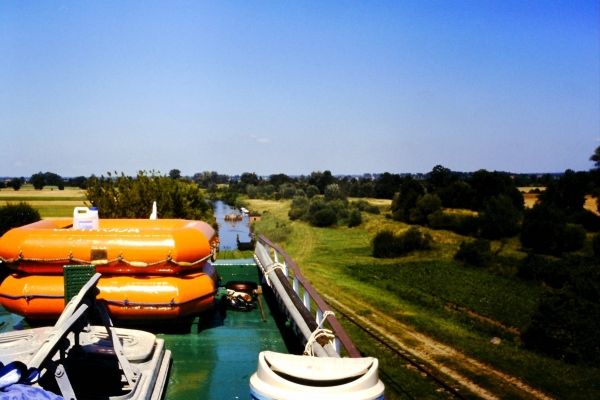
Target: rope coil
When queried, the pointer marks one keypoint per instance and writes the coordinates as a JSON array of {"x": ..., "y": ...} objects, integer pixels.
[
  {"x": 319, "y": 332},
  {"x": 325, "y": 315}
]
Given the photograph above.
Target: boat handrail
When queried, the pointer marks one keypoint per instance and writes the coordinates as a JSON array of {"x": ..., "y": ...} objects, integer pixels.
[{"x": 309, "y": 293}]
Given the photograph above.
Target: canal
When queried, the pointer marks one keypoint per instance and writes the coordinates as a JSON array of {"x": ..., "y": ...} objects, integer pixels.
[{"x": 229, "y": 230}]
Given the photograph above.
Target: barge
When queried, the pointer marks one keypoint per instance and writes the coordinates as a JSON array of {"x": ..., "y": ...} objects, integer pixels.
[{"x": 267, "y": 335}]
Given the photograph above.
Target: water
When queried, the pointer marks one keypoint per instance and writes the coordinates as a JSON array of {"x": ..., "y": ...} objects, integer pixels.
[{"x": 228, "y": 229}]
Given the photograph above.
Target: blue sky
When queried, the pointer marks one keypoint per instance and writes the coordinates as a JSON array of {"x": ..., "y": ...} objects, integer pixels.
[{"x": 296, "y": 87}]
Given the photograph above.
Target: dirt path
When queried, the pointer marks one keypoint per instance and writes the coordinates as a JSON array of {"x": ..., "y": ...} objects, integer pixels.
[{"x": 434, "y": 352}]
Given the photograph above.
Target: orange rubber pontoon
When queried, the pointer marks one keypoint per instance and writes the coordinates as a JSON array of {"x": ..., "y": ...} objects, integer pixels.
[
  {"x": 119, "y": 246},
  {"x": 41, "y": 297}
]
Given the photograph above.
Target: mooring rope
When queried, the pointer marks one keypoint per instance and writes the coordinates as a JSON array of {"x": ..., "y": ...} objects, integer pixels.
[{"x": 139, "y": 264}]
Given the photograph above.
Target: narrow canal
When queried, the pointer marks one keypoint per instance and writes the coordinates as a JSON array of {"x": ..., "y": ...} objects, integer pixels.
[{"x": 229, "y": 230}]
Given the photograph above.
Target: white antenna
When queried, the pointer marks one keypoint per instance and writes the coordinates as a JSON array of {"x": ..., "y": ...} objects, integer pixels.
[{"x": 154, "y": 214}]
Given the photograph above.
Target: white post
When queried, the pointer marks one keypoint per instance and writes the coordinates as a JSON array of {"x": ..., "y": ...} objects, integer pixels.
[
  {"x": 306, "y": 299},
  {"x": 319, "y": 316},
  {"x": 296, "y": 286},
  {"x": 336, "y": 345}
]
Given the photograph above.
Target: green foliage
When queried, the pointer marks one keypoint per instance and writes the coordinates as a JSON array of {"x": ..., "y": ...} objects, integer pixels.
[
  {"x": 333, "y": 192},
  {"x": 273, "y": 228},
  {"x": 543, "y": 229},
  {"x": 287, "y": 191},
  {"x": 387, "y": 245},
  {"x": 458, "y": 194},
  {"x": 323, "y": 218},
  {"x": 252, "y": 191},
  {"x": 539, "y": 268},
  {"x": 567, "y": 322},
  {"x": 15, "y": 215},
  {"x": 477, "y": 253},
  {"x": 16, "y": 183},
  {"x": 486, "y": 184},
  {"x": 354, "y": 218},
  {"x": 463, "y": 224},
  {"x": 128, "y": 197},
  {"x": 38, "y": 181},
  {"x": 499, "y": 218},
  {"x": 299, "y": 208},
  {"x": 311, "y": 191},
  {"x": 566, "y": 193},
  {"x": 410, "y": 192},
  {"x": 426, "y": 205},
  {"x": 365, "y": 206},
  {"x": 585, "y": 218},
  {"x": 596, "y": 245}
]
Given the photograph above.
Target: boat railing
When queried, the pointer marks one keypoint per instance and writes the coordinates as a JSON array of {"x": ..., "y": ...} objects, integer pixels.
[{"x": 308, "y": 294}]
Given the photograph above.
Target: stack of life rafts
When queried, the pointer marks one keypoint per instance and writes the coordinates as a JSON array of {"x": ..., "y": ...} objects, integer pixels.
[{"x": 152, "y": 269}]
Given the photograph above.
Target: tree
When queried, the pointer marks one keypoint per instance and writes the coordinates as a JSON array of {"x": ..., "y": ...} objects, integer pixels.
[
  {"x": 566, "y": 193},
  {"x": 128, "y": 197},
  {"x": 175, "y": 174},
  {"x": 15, "y": 215},
  {"x": 311, "y": 191},
  {"x": 499, "y": 218},
  {"x": 596, "y": 157},
  {"x": 387, "y": 185},
  {"x": 38, "y": 181},
  {"x": 439, "y": 177},
  {"x": 403, "y": 202},
  {"x": 545, "y": 230},
  {"x": 15, "y": 183}
]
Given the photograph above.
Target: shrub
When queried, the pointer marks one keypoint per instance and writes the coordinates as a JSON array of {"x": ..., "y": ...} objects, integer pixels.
[
  {"x": 311, "y": 191},
  {"x": 287, "y": 191},
  {"x": 573, "y": 237},
  {"x": 567, "y": 321},
  {"x": 596, "y": 244},
  {"x": 15, "y": 215},
  {"x": 323, "y": 218},
  {"x": 333, "y": 192},
  {"x": 462, "y": 224},
  {"x": 477, "y": 253},
  {"x": 426, "y": 204},
  {"x": 354, "y": 218},
  {"x": 365, "y": 206},
  {"x": 587, "y": 219},
  {"x": 384, "y": 245},
  {"x": 387, "y": 245},
  {"x": 544, "y": 229}
]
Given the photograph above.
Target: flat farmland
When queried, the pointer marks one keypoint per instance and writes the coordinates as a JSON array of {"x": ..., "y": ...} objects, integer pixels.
[
  {"x": 590, "y": 202},
  {"x": 50, "y": 202}
]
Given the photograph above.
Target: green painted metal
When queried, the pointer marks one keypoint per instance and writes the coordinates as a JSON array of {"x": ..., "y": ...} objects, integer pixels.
[
  {"x": 76, "y": 276},
  {"x": 237, "y": 270},
  {"x": 217, "y": 362}
]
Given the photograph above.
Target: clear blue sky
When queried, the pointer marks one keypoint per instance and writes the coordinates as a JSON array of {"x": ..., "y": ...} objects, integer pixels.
[{"x": 294, "y": 87}]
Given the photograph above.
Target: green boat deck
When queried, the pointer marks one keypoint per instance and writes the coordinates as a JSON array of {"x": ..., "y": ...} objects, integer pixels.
[
  {"x": 216, "y": 359},
  {"x": 214, "y": 354}
]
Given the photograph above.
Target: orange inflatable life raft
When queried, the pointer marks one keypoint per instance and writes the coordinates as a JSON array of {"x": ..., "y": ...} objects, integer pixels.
[
  {"x": 118, "y": 246},
  {"x": 158, "y": 297}
]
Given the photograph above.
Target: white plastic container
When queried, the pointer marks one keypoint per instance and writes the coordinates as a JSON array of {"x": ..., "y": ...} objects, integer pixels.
[
  {"x": 291, "y": 377},
  {"x": 85, "y": 218}
]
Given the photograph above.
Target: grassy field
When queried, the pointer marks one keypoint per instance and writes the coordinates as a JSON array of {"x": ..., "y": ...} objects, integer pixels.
[
  {"x": 50, "y": 202},
  {"x": 440, "y": 311},
  {"x": 426, "y": 304}
]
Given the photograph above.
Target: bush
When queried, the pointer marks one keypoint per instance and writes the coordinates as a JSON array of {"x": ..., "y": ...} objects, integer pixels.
[
  {"x": 384, "y": 245},
  {"x": 387, "y": 245},
  {"x": 311, "y": 191},
  {"x": 573, "y": 237},
  {"x": 567, "y": 321},
  {"x": 477, "y": 253},
  {"x": 596, "y": 244},
  {"x": 15, "y": 215},
  {"x": 587, "y": 219},
  {"x": 462, "y": 224},
  {"x": 365, "y": 206},
  {"x": 354, "y": 218},
  {"x": 426, "y": 205},
  {"x": 323, "y": 218},
  {"x": 544, "y": 229}
]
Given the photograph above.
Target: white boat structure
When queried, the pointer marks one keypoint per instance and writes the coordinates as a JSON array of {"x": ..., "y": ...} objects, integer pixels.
[{"x": 79, "y": 361}]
